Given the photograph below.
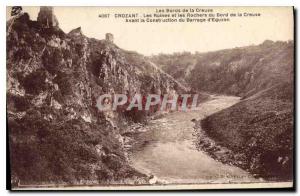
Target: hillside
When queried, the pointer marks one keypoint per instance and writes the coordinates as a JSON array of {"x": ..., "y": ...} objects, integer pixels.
[
  {"x": 178, "y": 65},
  {"x": 240, "y": 71},
  {"x": 56, "y": 133},
  {"x": 256, "y": 132}
]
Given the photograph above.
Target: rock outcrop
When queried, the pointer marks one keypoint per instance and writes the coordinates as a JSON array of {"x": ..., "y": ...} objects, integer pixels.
[
  {"x": 16, "y": 10},
  {"x": 56, "y": 133},
  {"x": 46, "y": 17}
]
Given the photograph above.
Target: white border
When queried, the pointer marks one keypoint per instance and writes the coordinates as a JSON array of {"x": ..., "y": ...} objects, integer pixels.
[
  {"x": 5, "y": 3},
  {"x": 168, "y": 187}
]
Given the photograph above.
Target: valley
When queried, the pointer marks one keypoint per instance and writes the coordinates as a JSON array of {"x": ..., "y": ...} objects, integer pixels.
[
  {"x": 242, "y": 130},
  {"x": 166, "y": 149}
]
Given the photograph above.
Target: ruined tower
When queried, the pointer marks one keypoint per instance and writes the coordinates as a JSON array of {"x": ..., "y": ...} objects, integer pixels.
[
  {"x": 109, "y": 37},
  {"x": 46, "y": 17},
  {"x": 16, "y": 10}
]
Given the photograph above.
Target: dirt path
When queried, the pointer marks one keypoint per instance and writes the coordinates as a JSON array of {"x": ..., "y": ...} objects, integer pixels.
[{"x": 167, "y": 149}]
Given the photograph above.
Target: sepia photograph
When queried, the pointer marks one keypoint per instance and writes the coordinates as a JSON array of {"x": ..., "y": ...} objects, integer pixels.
[{"x": 150, "y": 98}]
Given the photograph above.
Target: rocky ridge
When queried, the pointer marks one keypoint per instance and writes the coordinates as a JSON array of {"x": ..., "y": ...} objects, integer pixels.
[{"x": 56, "y": 133}]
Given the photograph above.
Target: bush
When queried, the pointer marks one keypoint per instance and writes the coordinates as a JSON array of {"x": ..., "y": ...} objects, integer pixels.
[
  {"x": 52, "y": 58},
  {"x": 64, "y": 82},
  {"x": 34, "y": 83}
]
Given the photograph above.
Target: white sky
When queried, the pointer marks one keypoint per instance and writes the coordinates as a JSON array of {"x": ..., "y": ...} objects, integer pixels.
[{"x": 275, "y": 23}]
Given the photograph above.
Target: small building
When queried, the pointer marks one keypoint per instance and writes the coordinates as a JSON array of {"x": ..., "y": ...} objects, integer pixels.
[{"x": 109, "y": 37}]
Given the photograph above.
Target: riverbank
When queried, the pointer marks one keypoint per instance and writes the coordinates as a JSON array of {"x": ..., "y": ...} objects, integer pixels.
[
  {"x": 165, "y": 148},
  {"x": 255, "y": 134}
]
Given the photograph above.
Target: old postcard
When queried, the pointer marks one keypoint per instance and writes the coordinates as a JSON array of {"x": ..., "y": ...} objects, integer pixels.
[{"x": 150, "y": 98}]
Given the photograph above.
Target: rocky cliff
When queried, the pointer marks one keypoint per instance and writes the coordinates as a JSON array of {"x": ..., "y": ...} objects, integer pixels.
[{"x": 56, "y": 133}]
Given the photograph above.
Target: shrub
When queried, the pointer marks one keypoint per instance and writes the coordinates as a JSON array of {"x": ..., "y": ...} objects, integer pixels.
[{"x": 34, "y": 83}]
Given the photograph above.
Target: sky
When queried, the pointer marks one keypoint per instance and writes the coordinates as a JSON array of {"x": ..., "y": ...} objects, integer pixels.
[{"x": 275, "y": 23}]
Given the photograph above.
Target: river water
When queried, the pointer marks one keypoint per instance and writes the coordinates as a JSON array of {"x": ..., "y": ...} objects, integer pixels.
[{"x": 168, "y": 152}]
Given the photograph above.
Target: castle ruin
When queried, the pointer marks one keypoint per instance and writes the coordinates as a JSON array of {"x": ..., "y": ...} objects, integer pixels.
[
  {"x": 46, "y": 17},
  {"x": 109, "y": 37}
]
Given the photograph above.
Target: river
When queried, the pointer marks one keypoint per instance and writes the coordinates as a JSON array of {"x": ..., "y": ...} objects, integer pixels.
[{"x": 168, "y": 152}]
